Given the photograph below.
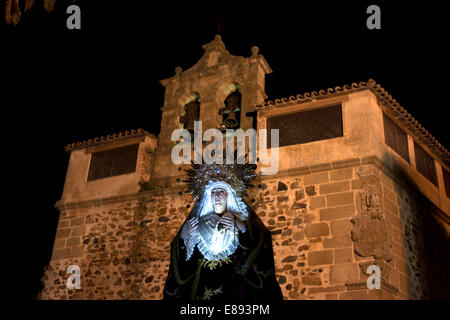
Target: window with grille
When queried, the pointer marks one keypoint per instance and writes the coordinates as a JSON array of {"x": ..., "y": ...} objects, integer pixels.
[
  {"x": 113, "y": 162},
  {"x": 425, "y": 164},
  {"x": 395, "y": 138},
  {"x": 446, "y": 182},
  {"x": 307, "y": 126}
]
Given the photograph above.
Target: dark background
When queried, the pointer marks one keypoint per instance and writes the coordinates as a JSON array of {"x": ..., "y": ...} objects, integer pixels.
[{"x": 64, "y": 86}]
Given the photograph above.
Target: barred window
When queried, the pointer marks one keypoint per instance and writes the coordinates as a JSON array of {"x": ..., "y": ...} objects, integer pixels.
[
  {"x": 425, "y": 164},
  {"x": 113, "y": 162},
  {"x": 446, "y": 181},
  {"x": 395, "y": 138},
  {"x": 307, "y": 126}
]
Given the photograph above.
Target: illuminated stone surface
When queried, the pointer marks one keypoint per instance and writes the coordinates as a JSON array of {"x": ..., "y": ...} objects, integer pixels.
[{"x": 318, "y": 206}]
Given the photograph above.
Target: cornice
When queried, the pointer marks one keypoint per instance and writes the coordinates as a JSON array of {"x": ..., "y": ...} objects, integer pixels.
[
  {"x": 392, "y": 107},
  {"x": 107, "y": 139}
]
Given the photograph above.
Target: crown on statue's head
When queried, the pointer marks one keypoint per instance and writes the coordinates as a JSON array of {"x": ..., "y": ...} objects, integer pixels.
[{"x": 237, "y": 175}]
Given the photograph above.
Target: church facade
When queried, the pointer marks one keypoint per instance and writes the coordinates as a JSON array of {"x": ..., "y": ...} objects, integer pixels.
[{"x": 360, "y": 183}]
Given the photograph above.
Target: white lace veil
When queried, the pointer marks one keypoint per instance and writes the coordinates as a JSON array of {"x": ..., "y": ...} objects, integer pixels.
[{"x": 206, "y": 243}]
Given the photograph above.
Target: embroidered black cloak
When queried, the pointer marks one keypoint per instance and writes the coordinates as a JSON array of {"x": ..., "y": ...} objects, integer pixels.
[{"x": 246, "y": 275}]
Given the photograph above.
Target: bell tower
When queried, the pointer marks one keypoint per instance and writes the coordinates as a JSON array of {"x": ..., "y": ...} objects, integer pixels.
[{"x": 221, "y": 90}]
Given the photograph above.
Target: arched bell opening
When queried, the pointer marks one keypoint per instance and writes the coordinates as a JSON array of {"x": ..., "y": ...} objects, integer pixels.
[
  {"x": 231, "y": 113},
  {"x": 191, "y": 113}
]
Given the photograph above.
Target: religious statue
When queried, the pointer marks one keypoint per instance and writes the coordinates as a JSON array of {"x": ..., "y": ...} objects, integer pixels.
[{"x": 223, "y": 251}]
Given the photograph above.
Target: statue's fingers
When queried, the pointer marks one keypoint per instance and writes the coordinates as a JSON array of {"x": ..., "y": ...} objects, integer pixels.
[
  {"x": 228, "y": 225},
  {"x": 193, "y": 222},
  {"x": 227, "y": 218},
  {"x": 193, "y": 219},
  {"x": 228, "y": 221}
]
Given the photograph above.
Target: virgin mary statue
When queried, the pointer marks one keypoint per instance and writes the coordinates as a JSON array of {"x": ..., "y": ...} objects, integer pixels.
[{"x": 222, "y": 251}]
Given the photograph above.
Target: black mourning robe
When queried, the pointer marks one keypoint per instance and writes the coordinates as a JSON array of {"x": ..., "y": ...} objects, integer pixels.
[{"x": 248, "y": 275}]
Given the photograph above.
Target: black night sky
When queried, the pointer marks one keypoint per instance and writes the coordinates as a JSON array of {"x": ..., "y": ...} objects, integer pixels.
[{"x": 72, "y": 85}]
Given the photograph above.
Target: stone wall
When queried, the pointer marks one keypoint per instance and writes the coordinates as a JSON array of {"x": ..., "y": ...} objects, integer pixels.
[
  {"x": 122, "y": 248},
  {"x": 310, "y": 217},
  {"x": 327, "y": 227},
  {"x": 420, "y": 242}
]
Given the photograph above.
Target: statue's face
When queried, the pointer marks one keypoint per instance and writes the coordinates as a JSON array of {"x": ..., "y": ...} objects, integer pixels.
[{"x": 219, "y": 200}]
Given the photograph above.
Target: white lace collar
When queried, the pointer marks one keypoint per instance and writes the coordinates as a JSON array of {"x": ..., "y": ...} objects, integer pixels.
[{"x": 213, "y": 244}]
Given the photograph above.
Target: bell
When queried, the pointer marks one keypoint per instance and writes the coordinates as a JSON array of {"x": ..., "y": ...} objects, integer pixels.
[{"x": 230, "y": 121}]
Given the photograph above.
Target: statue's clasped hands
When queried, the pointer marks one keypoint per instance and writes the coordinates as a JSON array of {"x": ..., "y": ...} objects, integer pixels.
[
  {"x": 225, "y": 222},
  {"x": 228, "y": 220}
]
